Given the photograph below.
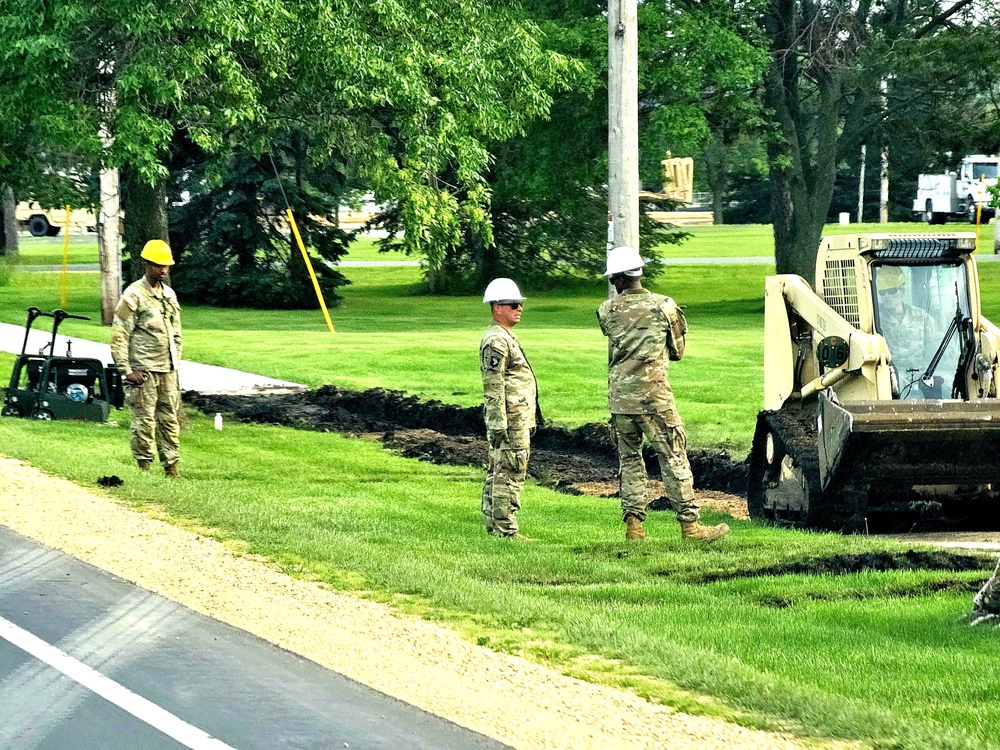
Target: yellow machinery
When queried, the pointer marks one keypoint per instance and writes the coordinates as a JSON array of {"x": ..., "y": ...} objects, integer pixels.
[{"x": 880, "y": 390}]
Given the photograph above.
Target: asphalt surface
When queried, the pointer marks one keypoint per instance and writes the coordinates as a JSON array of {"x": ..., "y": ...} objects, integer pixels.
[{"x": 90, "y": 662}]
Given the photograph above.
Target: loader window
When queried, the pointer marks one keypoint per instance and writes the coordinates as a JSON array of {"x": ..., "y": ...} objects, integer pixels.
[
  {"x": 987, "y": 170},
  {"x": 914, "y": 307}
]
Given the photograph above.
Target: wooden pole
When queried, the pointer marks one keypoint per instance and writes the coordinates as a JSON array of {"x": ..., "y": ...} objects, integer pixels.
[
  {"x": 65, "y": 263},
  {"x": 623, "y": 123},
  {"x": 861, "y": 183},
  {"x": 883, "y": 201}
]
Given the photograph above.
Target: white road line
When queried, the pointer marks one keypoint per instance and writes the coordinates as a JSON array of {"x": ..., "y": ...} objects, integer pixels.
[
  {"x": 36, "y": 697},
  {"x": 144, "y": 710}
]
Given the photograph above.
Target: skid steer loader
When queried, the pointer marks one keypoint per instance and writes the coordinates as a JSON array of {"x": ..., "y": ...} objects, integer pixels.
[{"x": 880, "y": 390}]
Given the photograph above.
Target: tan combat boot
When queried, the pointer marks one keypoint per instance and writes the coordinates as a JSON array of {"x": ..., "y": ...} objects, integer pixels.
[
  {"x": 143, "y": 465},
  {"x": 172, "y": 471},
  {"x": 694, "y": 530},
  {"x": 633, "y": 529}
]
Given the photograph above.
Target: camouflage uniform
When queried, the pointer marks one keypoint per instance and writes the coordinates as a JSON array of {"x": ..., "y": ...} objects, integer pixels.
[
  {"x": 913, "y": 337},
  {"x": 510, "y": 396},
  {"x": 146, "y": 335},
  {"x": 645, "y": 330},
  {"x": 986, "y": 605}
]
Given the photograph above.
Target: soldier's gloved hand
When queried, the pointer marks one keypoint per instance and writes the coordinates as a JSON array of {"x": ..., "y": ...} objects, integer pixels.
[{"x": 496, "y": 437}]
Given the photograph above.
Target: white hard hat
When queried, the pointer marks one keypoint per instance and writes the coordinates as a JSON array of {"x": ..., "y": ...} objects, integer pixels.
[
  {"x": 502, "y": 290},
  {"x": 624, "y": 260}
]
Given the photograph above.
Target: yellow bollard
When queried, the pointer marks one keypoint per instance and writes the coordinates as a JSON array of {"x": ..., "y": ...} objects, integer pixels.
[
  {"x": 312, "y": 274},
  {"x": 65, "y": 271}
]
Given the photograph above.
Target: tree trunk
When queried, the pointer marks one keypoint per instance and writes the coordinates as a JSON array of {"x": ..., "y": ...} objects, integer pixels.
[
  {"x": 8, "y": 208},
  {"x": 717, "y": 172},
  {"x": 803, "y": 158},
  {"x": 145, "y": 208}
]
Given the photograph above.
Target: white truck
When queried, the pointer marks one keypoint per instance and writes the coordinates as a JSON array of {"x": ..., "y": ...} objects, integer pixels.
[{"x": 957, "y": 194}]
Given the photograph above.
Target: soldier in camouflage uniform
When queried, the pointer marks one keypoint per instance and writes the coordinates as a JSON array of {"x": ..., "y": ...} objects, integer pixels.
[
  {"x": 146, "y": 346},
  {"x": 986, "y": 605},
  {"x": 911, "y": 333},
  {"x": 645, "y": 330},
  {"x": 509, "y": 394}
]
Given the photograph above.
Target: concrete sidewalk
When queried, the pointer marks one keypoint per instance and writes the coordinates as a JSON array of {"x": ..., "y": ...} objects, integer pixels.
[{"x": 193, "y": 376}]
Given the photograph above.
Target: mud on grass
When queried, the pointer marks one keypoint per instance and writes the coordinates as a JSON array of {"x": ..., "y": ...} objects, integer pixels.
[
  {"x": 858, "y": 563},
  {"x": 577, "y": 461}
]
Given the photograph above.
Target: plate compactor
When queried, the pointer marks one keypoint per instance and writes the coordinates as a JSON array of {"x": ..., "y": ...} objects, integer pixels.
[{"x": 45, "y": 386}]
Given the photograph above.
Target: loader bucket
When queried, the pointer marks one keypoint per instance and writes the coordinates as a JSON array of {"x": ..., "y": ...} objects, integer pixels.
[{"x": 919, "y": 442}]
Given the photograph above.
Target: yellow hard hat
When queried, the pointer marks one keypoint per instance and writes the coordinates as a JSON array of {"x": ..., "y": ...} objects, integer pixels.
[
  {"x": 158, "y": 252},
  {"x": 890, "y": 277}
]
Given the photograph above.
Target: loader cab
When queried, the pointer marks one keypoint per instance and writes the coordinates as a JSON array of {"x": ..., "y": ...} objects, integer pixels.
[{"x": 921, "y": 310}]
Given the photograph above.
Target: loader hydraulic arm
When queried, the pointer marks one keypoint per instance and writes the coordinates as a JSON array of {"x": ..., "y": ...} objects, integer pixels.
[{"x": 790, "y": 292}]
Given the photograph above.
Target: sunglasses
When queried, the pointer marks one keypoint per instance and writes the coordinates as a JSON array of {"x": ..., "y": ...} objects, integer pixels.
[
  {"x": 892, "y": 292},
  {"x": 511, "y": 305}
]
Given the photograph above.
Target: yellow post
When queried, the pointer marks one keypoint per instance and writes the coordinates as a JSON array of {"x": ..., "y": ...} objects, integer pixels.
[
  {"x": 309, "y": 265},
  {"x": 65, "y": 271},
  {"x": 979, "y": 205}
]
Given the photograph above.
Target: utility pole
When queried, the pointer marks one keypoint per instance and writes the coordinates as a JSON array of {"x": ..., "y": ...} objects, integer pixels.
[
  {"x": 883, "y": 201},
  {"x": 623, "y": 124},
  {"x": 108, "y": 231},
  {"x": 861, "y": 183}
]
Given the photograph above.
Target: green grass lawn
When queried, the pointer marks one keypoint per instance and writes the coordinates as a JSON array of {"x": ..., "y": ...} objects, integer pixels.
[
  {"x": 757, "y": 240},
  {"x": 390, "y": 336},
  {"x": 885, "y": 657},
  {"x": 48, "y": 251},
  {"x": 722, "y": 241}
]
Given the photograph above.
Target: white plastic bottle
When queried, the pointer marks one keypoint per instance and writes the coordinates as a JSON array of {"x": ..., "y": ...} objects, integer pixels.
[{"x": 218, "y": 420}]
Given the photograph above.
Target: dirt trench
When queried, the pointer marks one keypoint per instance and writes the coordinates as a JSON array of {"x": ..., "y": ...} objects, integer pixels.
[{"x": 577, "y": 461}]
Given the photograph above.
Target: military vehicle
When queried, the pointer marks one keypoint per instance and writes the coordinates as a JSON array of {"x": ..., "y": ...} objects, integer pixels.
[{"x": 880, "y": 390}]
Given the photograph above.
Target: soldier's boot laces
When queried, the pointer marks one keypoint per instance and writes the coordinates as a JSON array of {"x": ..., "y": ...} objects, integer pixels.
[
  {"x": 172, "y": 471},
  {"x": 694, "y": 530},
  {"x": 143, "y": 465},
  {"x": 633, "y": 529}
]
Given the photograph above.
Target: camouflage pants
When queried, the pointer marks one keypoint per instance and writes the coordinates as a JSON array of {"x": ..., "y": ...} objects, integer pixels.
[
  {"x": 670, "y": 445},
  {"x": 154, "y": 407},
  {"x": 502, "y": 491},
  {"x": 986, "y": 605}
]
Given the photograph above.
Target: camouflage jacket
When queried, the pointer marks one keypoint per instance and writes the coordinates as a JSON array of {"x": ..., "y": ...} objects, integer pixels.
[
  {"x": 913, "y": 337},
  {"x": 509, "y": 389},
  {"x": 146, "y": 333},
  {"x": 645, "y": 331}
]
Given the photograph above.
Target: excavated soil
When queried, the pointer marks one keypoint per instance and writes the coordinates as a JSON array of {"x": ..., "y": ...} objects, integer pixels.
[
  {"x": 868, "y": 561},
  {"x": 577, "y": 461}
]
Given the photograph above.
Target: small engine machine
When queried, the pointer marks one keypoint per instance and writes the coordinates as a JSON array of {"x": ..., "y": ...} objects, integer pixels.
[{"x": 45, "y": 386}]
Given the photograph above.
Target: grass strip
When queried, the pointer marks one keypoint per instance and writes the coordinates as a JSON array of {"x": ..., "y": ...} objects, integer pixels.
[{"x": 885, "y": 657}]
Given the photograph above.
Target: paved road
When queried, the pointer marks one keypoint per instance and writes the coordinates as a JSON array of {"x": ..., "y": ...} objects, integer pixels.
[
  {"x": 90, "y": 662},
  {"x": 193, "y": 375}
]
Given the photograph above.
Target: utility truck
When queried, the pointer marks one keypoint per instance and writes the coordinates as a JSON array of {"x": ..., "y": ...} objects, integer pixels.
[
  {"x": 880, "y": 390},
  {"x": 957, "y": 194}
]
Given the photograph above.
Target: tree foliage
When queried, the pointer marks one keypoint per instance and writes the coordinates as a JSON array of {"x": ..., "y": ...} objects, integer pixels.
[
  {"x": 403, "y": 91},
  {"x": 549, "y": 195},
  {"x": 828, "y": 60}
]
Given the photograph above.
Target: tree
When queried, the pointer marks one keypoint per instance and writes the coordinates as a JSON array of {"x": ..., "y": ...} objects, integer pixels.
[
  {"x": 234, "y": 235},
  {"x": 549, "y": 201},
  {"x": 405, "y": 91},
  {"x": 822, "y": 58}
]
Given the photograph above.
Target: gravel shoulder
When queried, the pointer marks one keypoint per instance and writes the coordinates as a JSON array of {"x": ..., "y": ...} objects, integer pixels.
[{"x": 503, "y": 696}]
